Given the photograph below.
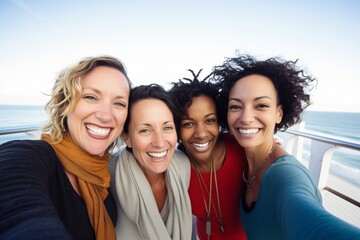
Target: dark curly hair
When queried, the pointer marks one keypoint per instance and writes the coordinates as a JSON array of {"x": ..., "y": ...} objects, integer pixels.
[
  {"x": 291, "y": 83},
  {"x": 186, "y": 89}
]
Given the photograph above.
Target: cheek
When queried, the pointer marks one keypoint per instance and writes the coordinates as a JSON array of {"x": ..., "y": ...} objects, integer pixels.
[
  {"x": 138, "y": 154},
  {"x": 230, "y": 118},
  {"x": 71, "y": 120},
  {"x": 121, "y": 118},
  {"x": 184, "y": 134},
  {"x": 215, "y": 130},
  {"x": 173, "y": 140}
]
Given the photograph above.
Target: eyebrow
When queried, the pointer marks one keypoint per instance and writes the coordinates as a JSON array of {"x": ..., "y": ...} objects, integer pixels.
[
  {"x": 262, "y": 97},
  {"x": 149, "y": 124},
  {"x": 99, "y": 92},
  {"x": 255, "y": 99},
  {"x": 189, "y": 118}
]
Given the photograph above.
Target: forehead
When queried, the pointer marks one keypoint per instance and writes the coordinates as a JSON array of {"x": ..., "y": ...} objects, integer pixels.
[
  {"x": 200, "y": 106},
  {"x": 107, "y": 78},
  {"x": 253, "y": 85},
  {"x": 150, "y": 109},
  {"x": 201, "y": 102}
]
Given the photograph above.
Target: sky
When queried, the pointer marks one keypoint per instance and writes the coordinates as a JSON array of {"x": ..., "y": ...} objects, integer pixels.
[{"x": 159, "y": 40}]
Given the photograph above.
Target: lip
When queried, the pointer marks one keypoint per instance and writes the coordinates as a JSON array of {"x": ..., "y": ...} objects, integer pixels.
[
  {"x": 248, "y": 131},
  {"x": 158, "y": 155},
  {"x": 201, "y": 146},
  {"x": 97, "y": 131}
]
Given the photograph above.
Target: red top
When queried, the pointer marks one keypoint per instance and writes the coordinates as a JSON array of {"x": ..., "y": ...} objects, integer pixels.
[{"x": 230, "y": 187}]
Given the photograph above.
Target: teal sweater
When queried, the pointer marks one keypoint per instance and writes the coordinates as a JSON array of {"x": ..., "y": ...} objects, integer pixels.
[{"x": 289, "y": 206}]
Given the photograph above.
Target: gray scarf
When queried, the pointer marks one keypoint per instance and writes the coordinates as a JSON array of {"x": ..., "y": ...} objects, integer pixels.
[{"x": 138, "y": 202}]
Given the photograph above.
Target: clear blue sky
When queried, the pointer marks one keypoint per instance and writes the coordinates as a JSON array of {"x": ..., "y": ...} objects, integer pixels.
[{"x": 159, "y": 40}]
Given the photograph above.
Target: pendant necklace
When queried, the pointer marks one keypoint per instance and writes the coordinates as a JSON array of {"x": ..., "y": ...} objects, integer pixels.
[
  {"x": 210, "y": 203},
  {"x": 251, "y": 180}
]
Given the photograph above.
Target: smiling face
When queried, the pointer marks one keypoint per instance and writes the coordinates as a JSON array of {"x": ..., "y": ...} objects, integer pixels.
[
  {"x": 253, "y": 111},
  {"x": 152, "y": 135},
  {"x": 200, "y": 129},
  {"x": 99, "y": 116}
]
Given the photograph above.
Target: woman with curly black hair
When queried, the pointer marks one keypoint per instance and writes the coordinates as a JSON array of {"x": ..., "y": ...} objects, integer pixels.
[
  {"x": 217, "y": 161},
  {"x": 281, "y": 200}
]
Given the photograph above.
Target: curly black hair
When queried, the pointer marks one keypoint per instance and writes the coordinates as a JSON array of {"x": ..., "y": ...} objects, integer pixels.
[
  {"x": 186, "y": 89},
  {"x": 292, "y": 85}
]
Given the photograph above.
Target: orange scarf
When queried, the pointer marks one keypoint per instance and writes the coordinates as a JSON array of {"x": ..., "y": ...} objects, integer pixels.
[{"x": 93, "y": 178}]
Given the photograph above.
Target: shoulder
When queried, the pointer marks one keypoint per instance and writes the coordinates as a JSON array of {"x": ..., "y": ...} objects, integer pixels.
[
  {"x": 29, "y": 160},
  {"x": 231, "y": 144},
  {"x": 180, "y": 155},
  {"x": 287, "y": 164},
  {"x": 235, "y": 157},
  {"x": 26, "y": 175},
  {"x": 182, "y": 162},
  {"x": 288, "y": 167},
  {"x": 26, "y": 151},
  {"x": 289, "y": 177},
  {"x": 25, "y": 145},
  {"x": 181, "y": 159}
]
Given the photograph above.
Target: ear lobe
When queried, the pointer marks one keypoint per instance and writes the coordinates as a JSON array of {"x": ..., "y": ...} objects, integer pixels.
[
  {"x": 126, "y": 139},
  {"x": 279, "y": 114}
]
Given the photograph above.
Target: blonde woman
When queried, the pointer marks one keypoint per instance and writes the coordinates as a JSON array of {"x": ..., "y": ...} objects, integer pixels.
[{"x": 57, "y": 187}]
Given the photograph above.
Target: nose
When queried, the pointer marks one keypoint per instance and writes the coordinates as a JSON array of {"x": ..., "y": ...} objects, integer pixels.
[
  {"x": 200, "y": 131},
  {"x": 105, "y": 113},
  {"x": 247, "y": 116},
  {"x": 158, "y": 140}
]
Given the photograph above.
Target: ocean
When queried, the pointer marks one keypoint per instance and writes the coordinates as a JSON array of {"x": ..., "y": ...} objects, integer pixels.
[{"x": 344, "y": 125}]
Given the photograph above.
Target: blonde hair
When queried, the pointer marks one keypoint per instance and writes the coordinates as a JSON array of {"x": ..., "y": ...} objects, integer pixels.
[{"x": 67, "y": 91}]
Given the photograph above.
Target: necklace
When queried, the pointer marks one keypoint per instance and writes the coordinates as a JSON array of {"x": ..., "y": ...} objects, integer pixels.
[
  {"x": 209, "y": 192},
  {"x": 251, "y": 180}
]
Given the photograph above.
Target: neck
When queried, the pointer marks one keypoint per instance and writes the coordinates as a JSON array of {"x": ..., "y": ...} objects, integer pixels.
[
  {"x": 155, "y": 179},
  {"x": 218, "y": 154},
  {"x": 203, "y": 166},
  {"x": 257, "y": 158}
]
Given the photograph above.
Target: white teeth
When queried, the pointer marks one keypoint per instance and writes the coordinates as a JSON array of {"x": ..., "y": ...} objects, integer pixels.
[
  {"x": 98, "y": 131},
  {"x": 248, "y": 131},
  {"x": 201, "y": 145},
  {"x": 157, "y": 155}
]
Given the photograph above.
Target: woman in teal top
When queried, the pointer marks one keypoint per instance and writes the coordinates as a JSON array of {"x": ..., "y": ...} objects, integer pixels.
[{"x": 281, "y": 201}]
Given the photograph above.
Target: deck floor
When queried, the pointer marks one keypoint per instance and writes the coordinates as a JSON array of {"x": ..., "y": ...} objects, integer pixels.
[{"x": 339, "y": 207}]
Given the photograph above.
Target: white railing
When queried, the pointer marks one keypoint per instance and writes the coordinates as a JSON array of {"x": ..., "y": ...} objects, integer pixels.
[
  {"x": 340, "y": 197},
  {"x": 23, "y": 129}
]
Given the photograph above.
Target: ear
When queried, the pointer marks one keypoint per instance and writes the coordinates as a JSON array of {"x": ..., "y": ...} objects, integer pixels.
[
  {"x": 279, "y": 114},
  {"x": 126, "y": 139}
]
